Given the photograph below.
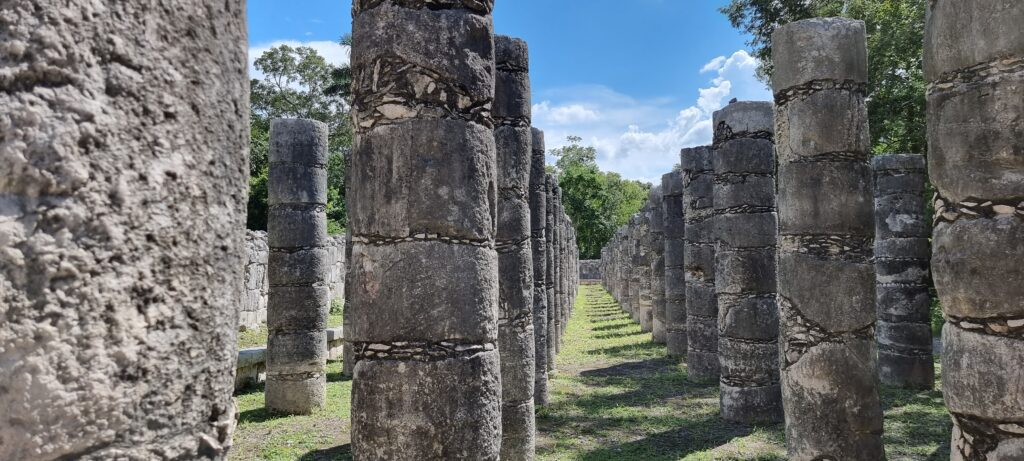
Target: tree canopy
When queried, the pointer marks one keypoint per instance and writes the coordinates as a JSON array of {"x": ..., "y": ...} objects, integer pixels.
[
  {"x": 597, "y": 202},
  {"x": 896, "y": 87},
  {"x": 299, "y": 83}
]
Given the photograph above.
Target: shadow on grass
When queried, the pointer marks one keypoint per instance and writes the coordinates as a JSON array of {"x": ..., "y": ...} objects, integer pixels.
[
  {"x": 917, "y": 424},
  {"x": 339, "y": 453},
  {"x": 619, "y": 335},
  {"x": 618, "y": 325},
  {"x": 676, "y": 443},
  {"x": 626, "y": 351}
]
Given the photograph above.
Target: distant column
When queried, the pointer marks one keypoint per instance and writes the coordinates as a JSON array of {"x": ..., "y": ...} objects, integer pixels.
[
  {"x": 658, "y": 265},
  {"x": 297, "y": 267},
  {"x": 974, "y": 65},
  {"x": 902, "y": 260},
  {"x": 675, "y": 270},
  {"x": 515, "y": 266},
  {"x": 645, "y": 302},
  {"x": 549, "y": 273},
  {"x": 559, "y": 268},
  {"x": 746, "y": 227},
  {"x": 699, "y": 256},
  {"x": 424, "y": 187},
  {"x": 826, "y": 278},
  {"x": 538, "y": 242}
]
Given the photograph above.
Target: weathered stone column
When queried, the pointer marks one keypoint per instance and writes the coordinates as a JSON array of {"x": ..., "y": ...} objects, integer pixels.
[
  {"x": 515, "y": 265},
  {"x": 826, "y": 277},
  {"x": 902, "y": 258},
  {"x": 559, "y": 243},
  {"x": 746, "y": 227},
  {"x": 538, "y": 242},
  {"x": 424, "y": 188},
  {"x": 645, "y": 302},
  {"x": 675, "y": 272},
  {"x": 658, "y": 332},
  {"x": 699, "y": 258},
  {"x": 974, "y": 63},
  {"x": 122, "y": 236},
  {"x": 549, "y": 273},
  {"x": 297, "y": 267},
  {"x": 636, "y": 270}
]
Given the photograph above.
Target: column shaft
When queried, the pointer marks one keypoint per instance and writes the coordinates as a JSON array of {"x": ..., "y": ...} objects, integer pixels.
[
  {"x": 974, "y": 65},
  {"x": 746, "y": 228},
  {"x": 513, "y": 138},
  {"x": 298, "y": 267},
  {"x": 826, "y": 279},
  {"x": 699, "y": 259},
  {"x": 424, "y": 285}
]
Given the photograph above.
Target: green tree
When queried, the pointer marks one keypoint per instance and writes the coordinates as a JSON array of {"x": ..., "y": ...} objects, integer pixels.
[
  {"x": 299, "y": 83},
  {"x": 598, "y": 202},
  {"x": 896, "y": 87}
]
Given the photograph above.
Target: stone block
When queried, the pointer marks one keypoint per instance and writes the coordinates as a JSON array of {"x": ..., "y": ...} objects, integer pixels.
[
  {"x": 400, "y": 288},
  {"x": 975, "y": 272},
  {"x": 411, "y": 410},
  {"x": 834, "y": 294},
  {"x": 391, "y": 165},
  {"x": 832, "y": 60}
]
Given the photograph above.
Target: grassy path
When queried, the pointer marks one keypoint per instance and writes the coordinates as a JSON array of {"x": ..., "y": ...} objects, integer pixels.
[{"x": 615, "y": 397}]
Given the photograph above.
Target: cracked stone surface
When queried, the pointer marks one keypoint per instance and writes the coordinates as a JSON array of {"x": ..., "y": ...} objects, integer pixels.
[
  {"x": 514, "y": 140},
  {"x": 902, "y": 274},
  {"x": 699, "y": 263},
  {"x": 424, "y": 192},
  {"x": 826, "y": 276},
  {"x": 745, "y": 285},
  {"x": 975, "y": 113}
]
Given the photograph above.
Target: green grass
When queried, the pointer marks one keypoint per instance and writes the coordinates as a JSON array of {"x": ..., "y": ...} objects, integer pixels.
[
  {"x": 258, "y": 337},
  {"x": 321, "y": 436},
  {"x": 615, "y": 396}
]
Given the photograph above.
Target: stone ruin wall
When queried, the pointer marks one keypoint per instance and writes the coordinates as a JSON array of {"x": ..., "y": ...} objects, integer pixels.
[
  {"x": 590, "y": 269},
  {"x": 253, "y": 309}
]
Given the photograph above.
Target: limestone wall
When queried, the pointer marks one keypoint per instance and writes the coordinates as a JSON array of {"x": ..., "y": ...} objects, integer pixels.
[
  {"x": 253, "y": 311},
  {"x": 590, "y": 269}
]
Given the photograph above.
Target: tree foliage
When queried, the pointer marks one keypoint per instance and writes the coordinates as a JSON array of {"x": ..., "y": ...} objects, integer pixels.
[
  {"x": 299, "y": 83},
  {"x": 597, "y": 202},
  {"x": 896, "y": 87}
]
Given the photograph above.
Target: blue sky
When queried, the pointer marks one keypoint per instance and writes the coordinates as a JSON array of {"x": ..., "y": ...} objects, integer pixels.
[{"x": 638, "y": 82}]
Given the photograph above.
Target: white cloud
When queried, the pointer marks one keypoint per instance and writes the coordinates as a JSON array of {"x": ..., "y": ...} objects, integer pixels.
[
  {"x": 563, "y": 115},
  {"x": 641, "y": 139},
  {"x": 333, "y": 52}
]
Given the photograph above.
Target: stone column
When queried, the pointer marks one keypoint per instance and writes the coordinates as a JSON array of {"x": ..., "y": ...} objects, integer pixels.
[
  {"x": 974, "y": 63},
  {"x": 538, "y": 229},
  {"x": 699, "y": 256},
  {"x": 645, "y": 302},
  {"x": 636, "y": 268},
  {"x": 297, "y": 267},
  {"x": 424, "y": 188},
  {"x": 559, "y": 272},
  {"x": 826, "y": 276},
  {"x": 675, "y": 272},
  {"x": 658, "y": 331},
  {"x": 123, "y": 195},
  {"x": 902, "y": 258},
  {"x": 515, "y": 265},
  {"x": 549, "y": 273},
  {"x": 746, "y": 227}
]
